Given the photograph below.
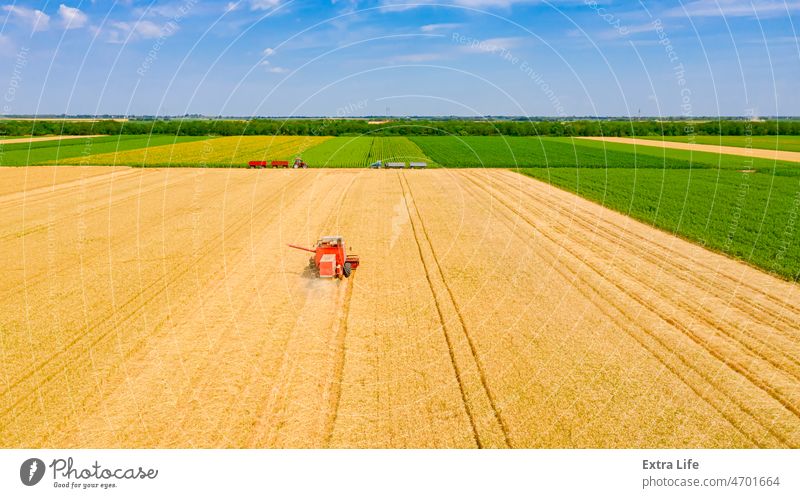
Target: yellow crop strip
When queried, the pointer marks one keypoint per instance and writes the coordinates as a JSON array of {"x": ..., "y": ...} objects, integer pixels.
[{"x": 225, "y": 152}]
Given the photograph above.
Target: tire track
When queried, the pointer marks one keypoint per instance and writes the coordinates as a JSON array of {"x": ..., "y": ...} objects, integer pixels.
[
  {"x": 272, "y": 406},
  {"x": 494, "y": 431},
  {"x": 691, "y": 273},
  {"x": 751, "y": 342},
  {"x": 333, "y": 393},
  {"x": 339, "y": 351},
  {"x": 737, "y": 366},
  {"x": 683, "y": 362}
]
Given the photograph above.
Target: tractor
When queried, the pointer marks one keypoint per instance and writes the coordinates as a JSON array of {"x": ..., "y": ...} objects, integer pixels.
[{"x": 330, "y": 259}]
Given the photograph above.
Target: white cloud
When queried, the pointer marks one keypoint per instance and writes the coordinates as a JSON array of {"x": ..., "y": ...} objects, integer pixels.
[
  {"x": 734, "y": 8},
  {"x": 447, "y": 26},
  {"x": 268, "y": 51},
  {"x": 36, "y": 19},
  {"x": 139, "y": 30},
  {"x": 72, "y": 18},
  {"x": 277, "y": 70},
  {"x": 232, "y": 6},
  {"x": 264, "y": 4}
]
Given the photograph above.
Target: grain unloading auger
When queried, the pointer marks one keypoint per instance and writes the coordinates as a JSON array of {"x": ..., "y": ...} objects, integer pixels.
[{"x": 330, "y": 259}]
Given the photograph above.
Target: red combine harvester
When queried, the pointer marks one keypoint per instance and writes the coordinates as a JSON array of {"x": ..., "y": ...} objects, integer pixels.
[{"x": 330, "y": 259}]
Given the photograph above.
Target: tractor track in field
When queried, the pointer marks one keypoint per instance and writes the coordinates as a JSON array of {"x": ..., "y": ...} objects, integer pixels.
[
  {"x": 736, "y": 365},
  {"x": 475, "y": 357},
  {"x": 70, "y": 351},
  {"x": 750, "y": 342},
  {"x": 453, "y": 362},
  {"x": 660, "y": 350},
  {"x": 339, "y": 351},
  {"x": 333, "y": 394},
  {"x": 276, "y": 400},
  {"x": 662, "y": 357},
  {"x": 697, "y": 278}
]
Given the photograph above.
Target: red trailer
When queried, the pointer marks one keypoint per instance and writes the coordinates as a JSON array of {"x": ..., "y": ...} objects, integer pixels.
[
  {"x": 257, "y": 164},
  {"x": 280, "y": 164},
  {"x": 330, "y": 259}
]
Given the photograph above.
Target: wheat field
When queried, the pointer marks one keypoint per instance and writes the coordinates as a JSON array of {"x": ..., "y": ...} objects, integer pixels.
[{"x": 162, "y": 308}]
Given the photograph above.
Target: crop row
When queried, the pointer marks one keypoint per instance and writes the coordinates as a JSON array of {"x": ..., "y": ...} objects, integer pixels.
[
  {"x": 533, "y": 152},
  {"x": 216, "y": 152},
  {"x": 359, "y": 152},
  {"x": 750, "y": 216},
  {"x": 79, "y": 150}
]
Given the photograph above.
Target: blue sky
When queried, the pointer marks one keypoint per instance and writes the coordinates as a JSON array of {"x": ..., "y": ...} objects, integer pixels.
[{"x": 351, "y": 58}]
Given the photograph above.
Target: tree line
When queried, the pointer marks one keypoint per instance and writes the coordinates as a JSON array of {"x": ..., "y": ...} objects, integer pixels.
[{"x": 399, "y": 127}]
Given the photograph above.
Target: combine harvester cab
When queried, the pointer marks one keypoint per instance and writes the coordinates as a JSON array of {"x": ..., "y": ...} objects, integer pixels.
[{"x": 330, "y": 259}]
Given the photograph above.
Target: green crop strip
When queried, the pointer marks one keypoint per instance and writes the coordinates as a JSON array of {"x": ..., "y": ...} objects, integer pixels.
[
  {"x": 53, "y": 151},
  {"x": 360, "y": 152}
]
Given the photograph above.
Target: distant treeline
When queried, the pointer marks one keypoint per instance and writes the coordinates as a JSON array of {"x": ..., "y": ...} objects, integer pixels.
[{"x": 350, "y": 127}]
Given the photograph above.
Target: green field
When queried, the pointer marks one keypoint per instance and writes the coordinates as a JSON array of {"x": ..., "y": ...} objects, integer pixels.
[
  {"x": 751, "y": 216},
  {"x": 531, "y": 152},
  {"x": 697, "y": 159},
  {"x": 773, "y": 142},
  {"x": 53, "y": 151},
  {"x": 360, "y": 152},
  {"x": 524, "y": 152}
]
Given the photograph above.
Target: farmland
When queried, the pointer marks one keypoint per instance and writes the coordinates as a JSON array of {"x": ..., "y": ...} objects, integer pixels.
[
  {"x": 209, "y": 152},
  {"x": 522, "y": 152},
  {"x": 652, "y": 184},
  {"x": 162, "y": 308},
  {"x": 168, "y": 151},
  {"x": 79, "y": 150},
  {"x": 772, "y": 142},
  {"x": 531, "y": 152},
  {"x": 359, "y": 152},
  {"x": 343, "y": 152},
  {"x": 749, "y": 216}
]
